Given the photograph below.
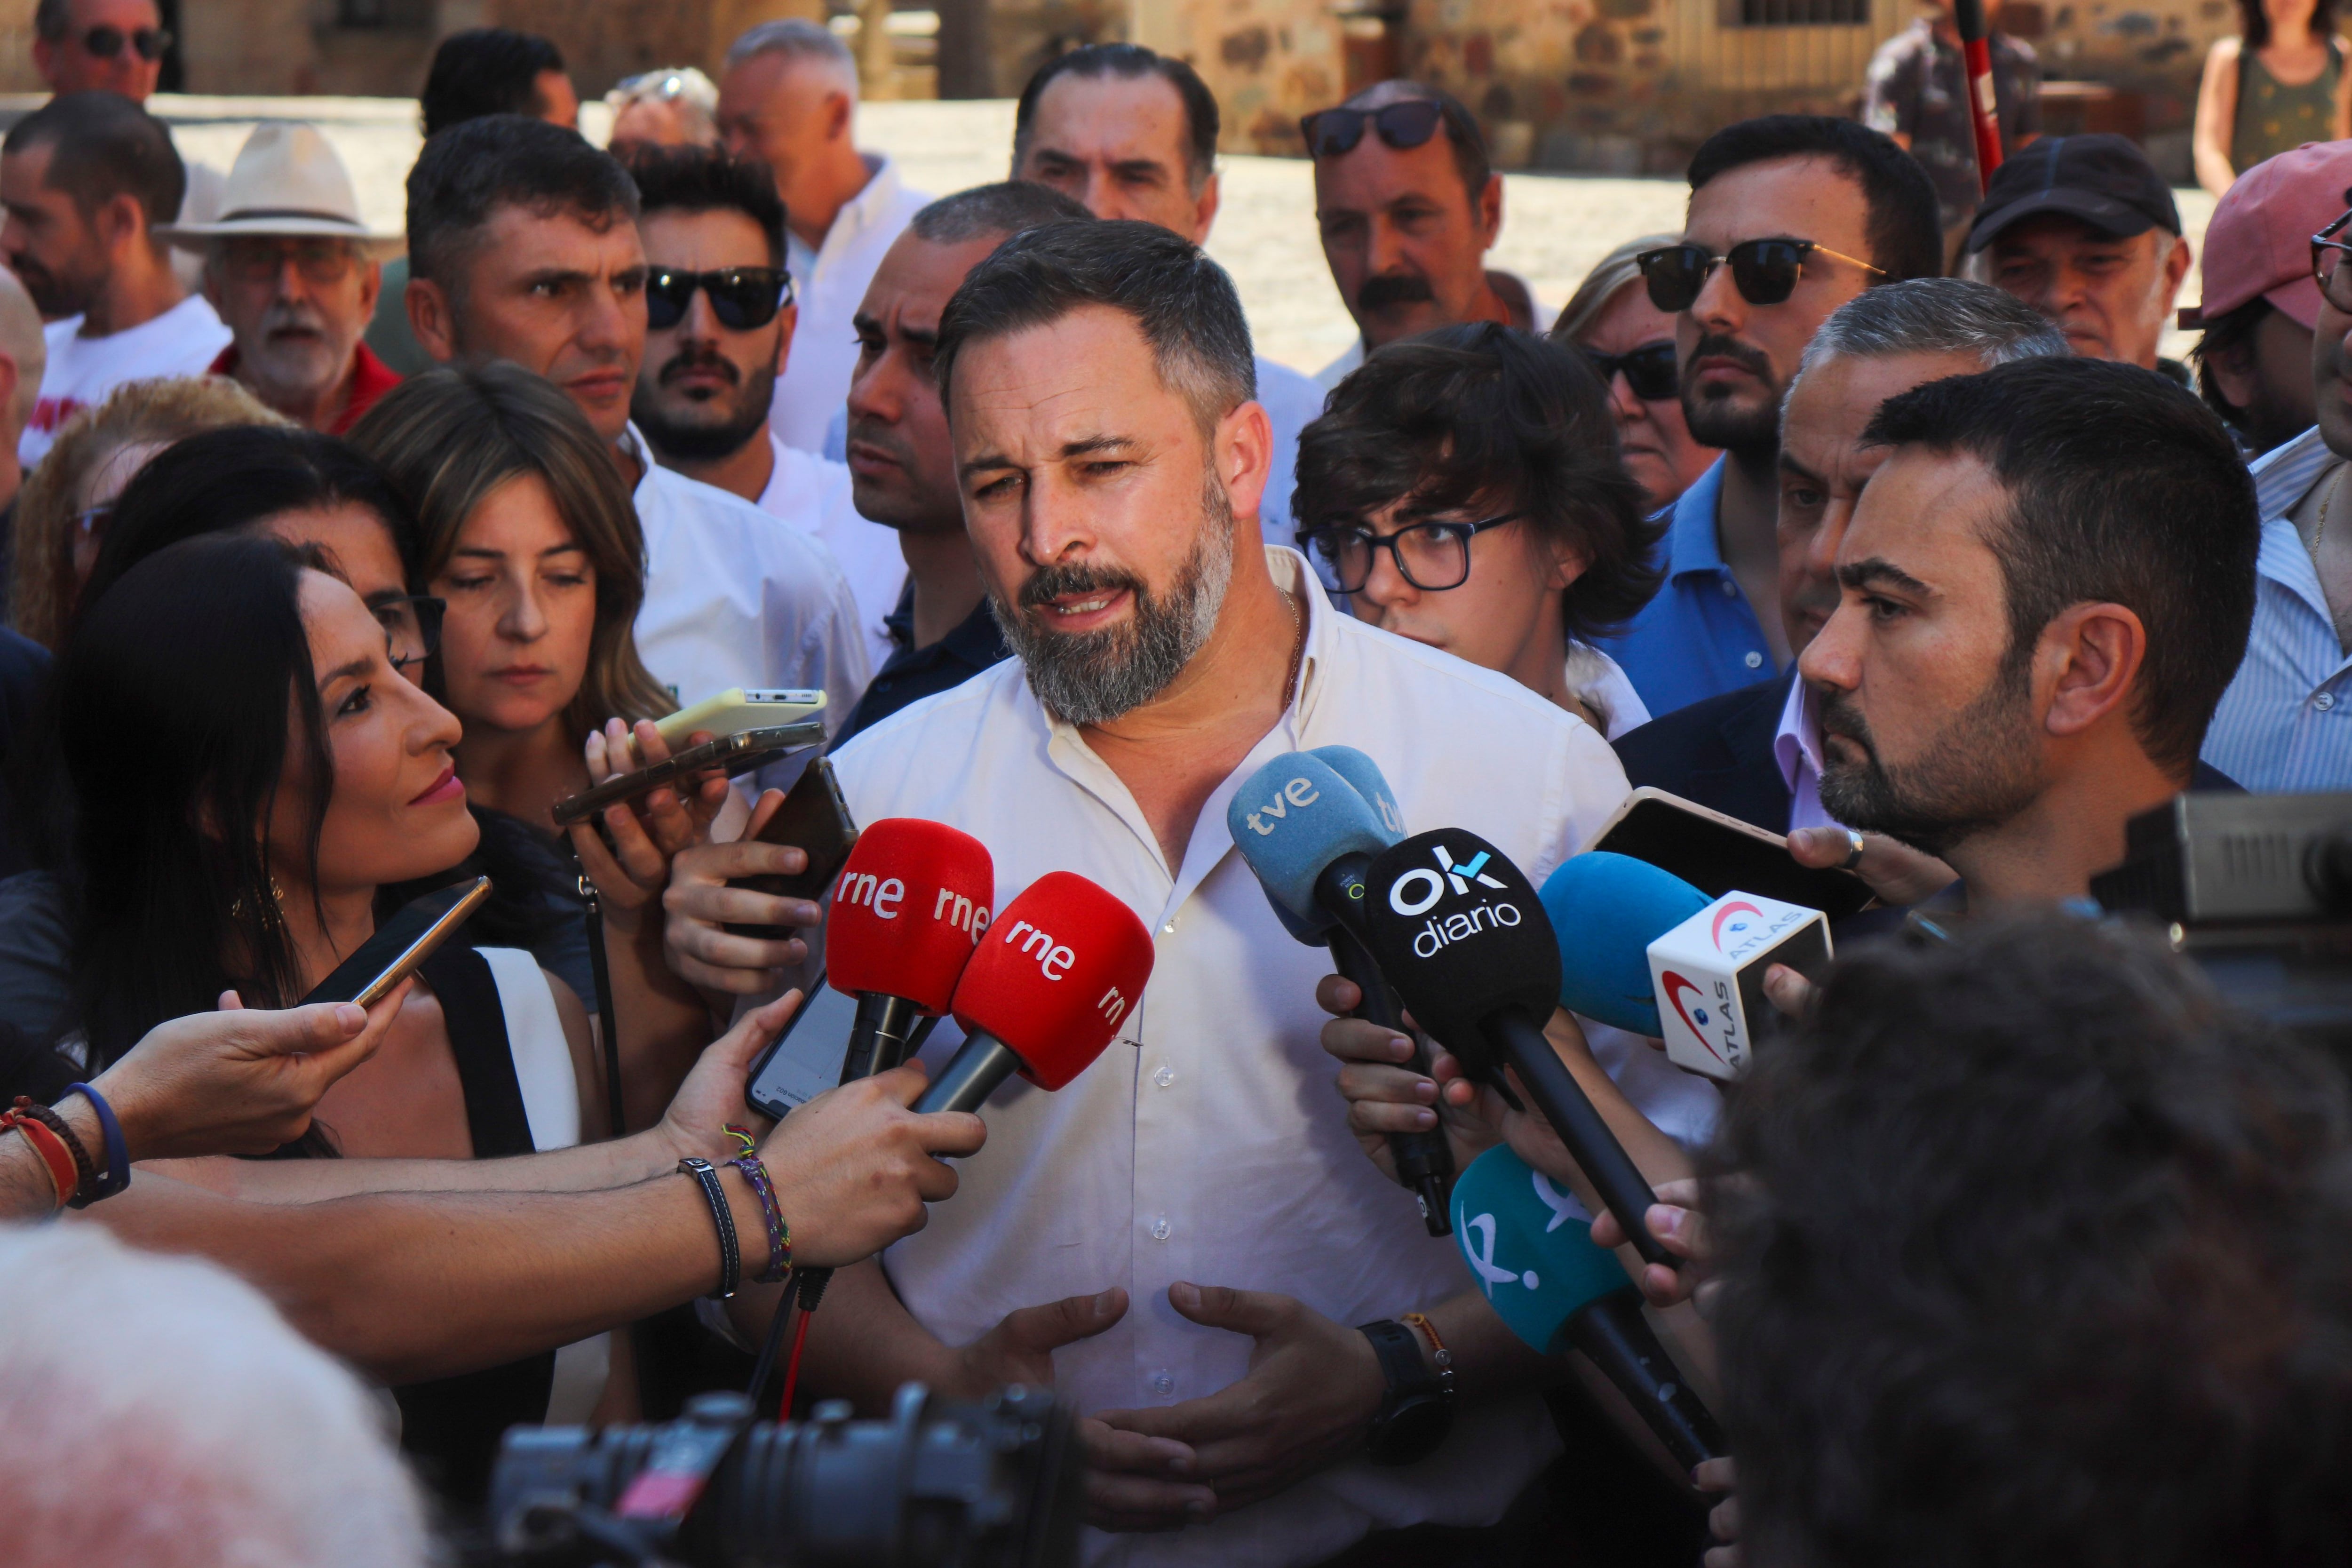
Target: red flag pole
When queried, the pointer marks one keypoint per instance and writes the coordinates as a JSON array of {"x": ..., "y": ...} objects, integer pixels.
[{"x": 1976, "y": 60}]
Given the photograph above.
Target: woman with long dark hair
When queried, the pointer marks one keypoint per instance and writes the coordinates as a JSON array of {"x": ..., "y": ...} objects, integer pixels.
[{"x": 2278, "y": 83}]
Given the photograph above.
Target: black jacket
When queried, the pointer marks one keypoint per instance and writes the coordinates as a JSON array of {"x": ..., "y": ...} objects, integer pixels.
[{"x": 1718, "y": 753}]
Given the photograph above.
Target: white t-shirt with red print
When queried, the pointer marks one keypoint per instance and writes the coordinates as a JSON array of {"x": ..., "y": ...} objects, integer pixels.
[{"x": 182, "y": 340}]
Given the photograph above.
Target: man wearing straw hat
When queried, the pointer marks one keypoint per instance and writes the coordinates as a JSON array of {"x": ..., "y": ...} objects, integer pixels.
[{"x": 293, "y": 272}]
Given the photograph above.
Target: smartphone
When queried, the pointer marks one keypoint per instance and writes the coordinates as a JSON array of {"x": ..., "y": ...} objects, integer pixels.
[
  {"x": 1718, "y": 854},
  {"x": 805, "y": 1060},
  {"x": 739, "y": 709},
  {"x": 741, "y": 752},
  {"x": 401, "y": 943},
  {"x": 813, "y": 818}
]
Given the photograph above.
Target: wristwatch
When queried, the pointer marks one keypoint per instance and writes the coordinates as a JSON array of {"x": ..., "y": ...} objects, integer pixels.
[{"x": 1417, "y": 1409}]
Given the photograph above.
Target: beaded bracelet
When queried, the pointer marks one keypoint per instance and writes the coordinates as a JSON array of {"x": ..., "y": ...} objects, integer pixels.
[
  {"x": 780, "y": 1235},
  {"x": 52, "y": 1150},
  {"x": 118, "y": 1152}
]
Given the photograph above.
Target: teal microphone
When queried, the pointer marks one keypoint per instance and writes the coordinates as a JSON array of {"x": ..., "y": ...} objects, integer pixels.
[{"x": 1530, "y": 1246}]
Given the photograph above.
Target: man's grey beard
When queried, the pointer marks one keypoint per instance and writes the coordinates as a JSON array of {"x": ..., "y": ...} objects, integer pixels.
[
  {"x": 1093, "y": 677},
  {"x": 1979, "y": 773}
]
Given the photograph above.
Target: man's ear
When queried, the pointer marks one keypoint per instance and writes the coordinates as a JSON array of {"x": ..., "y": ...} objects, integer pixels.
[
  {"x": 2176, "y": 268},
  {"x": 2092, "y": 654},
  {"x": 431, "y": 318},
  {"x": 1490, "y": 211},
  {"x": 1245, "y": 450},
  {"x": 120, "y": 221},
  {"x": 370, "y": 287},
  {"x": 837, "y": 112},
  {"x": 789, "y": 320},
  {"x": 1204, "y": 211}
]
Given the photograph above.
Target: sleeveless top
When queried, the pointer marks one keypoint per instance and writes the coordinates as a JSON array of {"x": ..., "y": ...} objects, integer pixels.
[
  {"x": 2273, "y": 118},
  {"x": 515, "y": 1069}
]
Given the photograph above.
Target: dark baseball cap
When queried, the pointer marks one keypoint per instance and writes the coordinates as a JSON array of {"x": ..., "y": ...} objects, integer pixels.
[{"x": 2102, "y": 179}]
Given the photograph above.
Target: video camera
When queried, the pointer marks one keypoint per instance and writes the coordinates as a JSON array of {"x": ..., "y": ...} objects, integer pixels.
[
  {"x": 2257, "y": 889},
  {"x": 937, "y": 1485}
]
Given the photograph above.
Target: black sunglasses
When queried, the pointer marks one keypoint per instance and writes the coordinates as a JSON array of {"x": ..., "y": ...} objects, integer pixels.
[
  {"x": 741, "y": 296},
  {"x": 2328, "y": 250},
  {"x": 1403, "y": 126},
  {"x": 1649, "y": 370},
  {"x": 106, "y": 42},
  {"x": 1764, "y": 271}
]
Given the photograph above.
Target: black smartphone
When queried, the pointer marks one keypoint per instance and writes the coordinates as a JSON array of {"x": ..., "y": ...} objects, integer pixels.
[
  {"x": 805, "y": 1060},
  {"x": 1718, "y": 854},
  {"x": 742, "y": 753},
  {"x": 401, "y": 943},
  {"x": 813, "y": 817}
]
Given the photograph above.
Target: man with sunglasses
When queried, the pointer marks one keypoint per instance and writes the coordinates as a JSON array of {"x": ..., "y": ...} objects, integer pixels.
[
  {"x": 293, "y": 270},
  {"x": 2286, "y": 723},
  {"x": 1408, "y": 205},
  {"x": 1791, "y": 216},
  {"x": 118, "y": 46},
  {"x": 523, "y": 245},
  {"x": 719, "y": 318}
]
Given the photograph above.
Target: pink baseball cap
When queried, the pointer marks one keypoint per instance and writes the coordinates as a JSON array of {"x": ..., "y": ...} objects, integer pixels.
[{"x": 2259, "y": 242}]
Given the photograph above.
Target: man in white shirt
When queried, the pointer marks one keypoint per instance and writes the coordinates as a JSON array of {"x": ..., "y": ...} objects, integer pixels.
[
  {"x": 788, "y": 97},
  {"x": 1131, "y": 134},
  {"x": 1194, "y": 1198},
  {"x": 523, "y": 243},
  {"x": 720, "y": 321},
  {"x": 86, "y": 180}
]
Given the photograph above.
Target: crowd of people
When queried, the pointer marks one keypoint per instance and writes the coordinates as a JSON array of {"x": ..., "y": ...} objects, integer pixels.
[{"x": 333, "y": 570}]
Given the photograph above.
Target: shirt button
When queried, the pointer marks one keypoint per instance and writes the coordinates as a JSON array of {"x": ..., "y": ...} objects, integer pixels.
[
  {"x": 1755, "y": 660},
  {"x": 1160, "y": 1228},
  {"x": 1162, "y": 1384},
  {"x": 1164, "y": 1077},
  {"x": 1731, "y": 589},
  {"x": 2324, "y": 701}
]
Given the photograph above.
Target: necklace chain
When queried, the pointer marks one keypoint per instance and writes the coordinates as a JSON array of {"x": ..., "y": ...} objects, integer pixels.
[{"x": 1297, "y": 650}]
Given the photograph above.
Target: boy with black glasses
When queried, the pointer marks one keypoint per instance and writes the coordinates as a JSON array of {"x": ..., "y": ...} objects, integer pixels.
[{"x": 1791, "y": 216}]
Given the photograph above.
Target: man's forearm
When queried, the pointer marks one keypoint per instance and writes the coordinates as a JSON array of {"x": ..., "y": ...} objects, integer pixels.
[
  {"x": 413, "y": 1286},
  {"x": 1488, "y": 1359},
  {"x": 664, "y": 1022},
  {"x": 863, "y": 1344},
  {"x": 585, "y": 1168}
]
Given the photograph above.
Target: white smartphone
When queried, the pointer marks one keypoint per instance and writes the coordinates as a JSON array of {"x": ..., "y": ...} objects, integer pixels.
[
  {"x": 738, "y": 708},
  {"x": 805, "y": 1060}
]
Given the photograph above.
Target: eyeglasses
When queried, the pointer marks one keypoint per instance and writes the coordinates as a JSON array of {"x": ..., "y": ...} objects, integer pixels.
[
  {"x": 1432, "y": 556},
  {"x": 1649, "y": 370},
  {"x": 320, "y": 261},
  {"x": 1403, "y": 126},
  {"x": 412, "y": 624},
  {"x": 2327, "y": 254},
  {"x": 741, "y": 298},
  {"x": 105, "y": 42},
  {"x": 1764, "y": 271}
]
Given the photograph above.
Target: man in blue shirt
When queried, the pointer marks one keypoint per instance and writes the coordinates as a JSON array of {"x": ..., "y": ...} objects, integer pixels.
[{"x": 1809, "y": 212}]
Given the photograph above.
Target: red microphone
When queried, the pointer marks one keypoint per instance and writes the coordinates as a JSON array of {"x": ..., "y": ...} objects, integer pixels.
[
  {"x": 909, "y": 907},
  {"x": 1063, "y": 967}
]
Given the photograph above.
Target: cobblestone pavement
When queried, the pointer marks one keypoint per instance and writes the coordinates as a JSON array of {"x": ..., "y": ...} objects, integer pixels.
[{"x": 1554, "y": 227}]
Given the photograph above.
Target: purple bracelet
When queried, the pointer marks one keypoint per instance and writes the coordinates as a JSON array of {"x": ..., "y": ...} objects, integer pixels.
[{"x": 779, "y": 1236}]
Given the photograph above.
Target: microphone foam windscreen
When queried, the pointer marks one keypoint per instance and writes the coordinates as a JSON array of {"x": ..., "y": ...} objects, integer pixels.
[
  {"x": 1364, "y": 776},
  {"x": 1460, "y": 933},
  {"x": 1528, "y": 1243},
  {"x": 1292, "y": 819},
  {"x": 909, "y": 906},
  {"x": 1607, "y": 910},
  {"x": 1063, "y": 967}
]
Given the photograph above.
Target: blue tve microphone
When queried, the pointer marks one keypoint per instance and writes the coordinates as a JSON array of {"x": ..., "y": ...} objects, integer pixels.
[
  {"x": 1530, "y": 1248},
  {"x": 1606, "y": 910},
  {"x": 1306, "y": 824}
]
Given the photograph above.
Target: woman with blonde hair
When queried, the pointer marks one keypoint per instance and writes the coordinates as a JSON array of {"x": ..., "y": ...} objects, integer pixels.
[
  {"x": 1631, "y": 346},
  {"x": 62, "y": 510}
]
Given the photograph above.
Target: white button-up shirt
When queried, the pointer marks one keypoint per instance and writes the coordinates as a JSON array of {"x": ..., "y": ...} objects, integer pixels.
[
  {"x": 1208, "y": 1143},
  {"x": 735, "y": 598},
  {"x": 829, "y": 282},
  {"x": 813, "y": 494},
  {"x": 2285, "y": 722}
]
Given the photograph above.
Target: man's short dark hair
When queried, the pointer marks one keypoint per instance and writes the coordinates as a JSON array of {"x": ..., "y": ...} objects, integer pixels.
[
  {"x": 709, "y": 179},
  {"x": 483, "y": 71},
  {"x": 2122, "y": 488},
  {"x": 1462, "y": 130},
  {"x": 1007, "y": 207},
  {"x": 1182, "y": 302},
  {"x": 1484, "y": 415},
  {"x": 1130, "y": 62},
  {"x": 2032, "y": 1253},
  {"x": 51, "y": 18},
  {"x": 102, "y": 146},
  {"x": 1905, "y": 224},
  {"x": 474, "y": 168}
]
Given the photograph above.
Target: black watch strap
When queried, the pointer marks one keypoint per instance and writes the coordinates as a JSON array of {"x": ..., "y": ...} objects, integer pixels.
[
  {"x": 1417, "y": 1409},
  {"x": 730, "y": 1253}
]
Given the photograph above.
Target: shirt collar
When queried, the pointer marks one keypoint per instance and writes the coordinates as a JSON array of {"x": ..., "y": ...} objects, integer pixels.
[
  {"x": 2285, "y": 475},
  {"x": 867, "y": 207},
  {"x": 1797, "y": 744},
  {"x": 1691, "y": 544}
]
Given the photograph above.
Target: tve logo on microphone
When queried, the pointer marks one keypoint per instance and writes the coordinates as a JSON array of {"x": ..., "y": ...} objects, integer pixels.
[
  {"x": 1709, "y": 975},
  {"x": 1420, "y": 890}
]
